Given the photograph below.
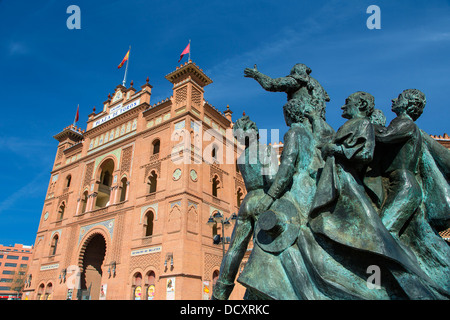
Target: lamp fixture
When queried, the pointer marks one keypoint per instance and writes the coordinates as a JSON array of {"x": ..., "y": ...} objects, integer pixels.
[
  {"x": 211, "y": 222},
  {"x": 112, "y": 269},
  {"x": 169, "y": 256},
  {"x": 62, "y": 276},
  {"x": 217, "y": 216}
]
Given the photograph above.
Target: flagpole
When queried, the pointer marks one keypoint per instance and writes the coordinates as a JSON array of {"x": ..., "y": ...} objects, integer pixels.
[
  {"x": 189, "y": 50},
  {"x": 126, "y": 68}
]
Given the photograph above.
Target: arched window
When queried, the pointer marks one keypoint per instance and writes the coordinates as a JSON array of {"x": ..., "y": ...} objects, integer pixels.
[
  {"x": 215, "y": 186},
  {"x": 40, "y": 292},
  {"x": 123, "y": 187},
  {"x": 215, "y": 277},
  {"x": 156, "y": 146},
  {"x": 61, "y": 210},
  {"x": 214, "y": 231},
  {"x": 54, "y": 245},
  {"x": 68, "y": 180},
  {"x": 84, "y": 200},
  {"x": 148, "y": 224},
  {"x": 150, "y": 279},
  {"x": 239, "y": 195},
  {"x": 137, "y": 286},
  {"x": 152, "y": 181},
  {"x": 105, "y": 181},
  {"x": 215, "y": 154},
  {"x": 48, "y": 291}
]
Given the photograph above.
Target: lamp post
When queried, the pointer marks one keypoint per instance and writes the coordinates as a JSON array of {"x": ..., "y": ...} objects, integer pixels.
[{"x": 218, "y": 217}]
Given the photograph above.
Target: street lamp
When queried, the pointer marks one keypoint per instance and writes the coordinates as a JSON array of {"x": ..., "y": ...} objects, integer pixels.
[{"x": 216, "y": 218}]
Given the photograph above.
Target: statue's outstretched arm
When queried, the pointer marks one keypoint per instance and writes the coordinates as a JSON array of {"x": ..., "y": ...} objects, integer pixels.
[{"x": 283, "y": 84}]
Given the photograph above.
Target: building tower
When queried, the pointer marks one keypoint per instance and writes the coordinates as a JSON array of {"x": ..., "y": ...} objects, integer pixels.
[{"x": 130, "y": 196}]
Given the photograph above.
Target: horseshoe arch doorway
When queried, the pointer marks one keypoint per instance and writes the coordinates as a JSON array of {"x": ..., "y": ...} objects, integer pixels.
[{"x": 92, "y": 258}]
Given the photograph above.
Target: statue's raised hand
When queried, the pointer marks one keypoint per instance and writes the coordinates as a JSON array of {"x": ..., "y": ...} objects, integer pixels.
[{"x": 250, "y": 73}]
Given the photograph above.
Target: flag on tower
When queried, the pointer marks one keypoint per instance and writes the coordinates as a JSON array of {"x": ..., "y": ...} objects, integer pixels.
[
  {"x": 77, "y": 115},
  {"x": 124, "y": 59},
  {"x": 186, "y": 51}
]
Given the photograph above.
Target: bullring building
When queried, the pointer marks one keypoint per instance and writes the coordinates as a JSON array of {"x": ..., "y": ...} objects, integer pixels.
[{"x": 125, "y": 217}]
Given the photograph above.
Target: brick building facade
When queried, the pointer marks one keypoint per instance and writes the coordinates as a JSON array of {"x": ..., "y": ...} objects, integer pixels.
[
  {"x": 14, "y": 261},
  {"x": 129, "y": 199}
]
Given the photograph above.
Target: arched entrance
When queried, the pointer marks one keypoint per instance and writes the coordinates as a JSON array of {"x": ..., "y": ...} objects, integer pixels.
[
  {"x": 92, "y": 261},
  {"x": 105, "y": 180}
]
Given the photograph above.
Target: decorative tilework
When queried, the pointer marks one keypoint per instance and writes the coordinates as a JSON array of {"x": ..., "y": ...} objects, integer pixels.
[
  {"x": 212, "y": 209},
  {"x": 180, "y": 125},
  {"x": 154, "y": 206},
  {"x": 190, "y": 203},
  {"x": 56, "y": 231},
  {"x": 108, "y": 224},
  {"x": 116, "y": 153},
  {"x": 175, "y": 203}
]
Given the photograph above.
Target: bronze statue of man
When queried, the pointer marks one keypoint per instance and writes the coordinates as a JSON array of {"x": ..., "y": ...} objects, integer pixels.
[
  {"x": 417, "y": 201},
  {"x": 256, "y": 183},
  {"x": 281, "y": 212},
  {"x": 343, "y": 213},
  {"x": 401, "y": 162}
]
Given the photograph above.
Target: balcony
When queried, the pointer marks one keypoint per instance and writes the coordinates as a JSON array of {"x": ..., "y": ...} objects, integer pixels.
[
  {"x": 104, "y": 189},
  {"x": 99, "y": 211}
]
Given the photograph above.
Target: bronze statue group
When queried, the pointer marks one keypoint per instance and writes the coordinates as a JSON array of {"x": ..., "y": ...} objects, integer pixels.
[{"x": 350, "y": 214}]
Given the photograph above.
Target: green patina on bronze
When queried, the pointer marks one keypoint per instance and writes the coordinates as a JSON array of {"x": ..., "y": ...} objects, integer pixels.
[{"x": 341, "y": 203}]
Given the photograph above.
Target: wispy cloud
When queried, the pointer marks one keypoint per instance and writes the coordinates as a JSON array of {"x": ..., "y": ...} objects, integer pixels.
[
  {"x": 18, "y": 48},
  {"x": 287, "y": 42},
  {"x": 27, "y": 191},
  {"x": 436, "y": 37},
  {"x": 23, "y": 147}
]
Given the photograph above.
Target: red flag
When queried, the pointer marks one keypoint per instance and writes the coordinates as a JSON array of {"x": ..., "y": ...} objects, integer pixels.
[
  {"x": 185, "y": 51},
  {"x": 124, "y": 59},
  {"x": 78, "y": 114}
]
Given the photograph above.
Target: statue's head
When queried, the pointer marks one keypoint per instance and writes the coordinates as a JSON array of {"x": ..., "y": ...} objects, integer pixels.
[
  {"x": 358, "y": 104},
  {"x": 245, "y": 129},
  {"x": 378, "y": 117},
  {"x": 294, "y": 110},
  {"x": 300, "y": 69},
  {"x": 410, "y": 101}
]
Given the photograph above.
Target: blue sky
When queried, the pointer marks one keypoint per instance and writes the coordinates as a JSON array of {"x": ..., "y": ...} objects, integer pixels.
[{"x": 47, "y": 69}]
